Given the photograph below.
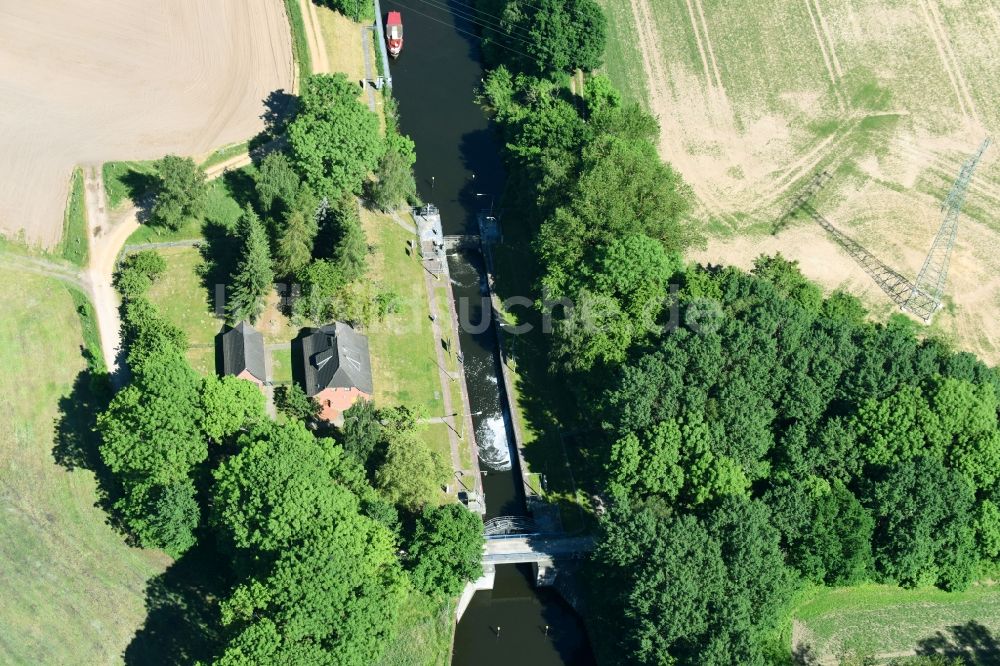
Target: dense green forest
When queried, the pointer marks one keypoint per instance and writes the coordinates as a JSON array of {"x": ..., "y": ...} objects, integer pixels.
[
  {"x": 314, "y": 539},
  {"x": 750, "y": 435}
]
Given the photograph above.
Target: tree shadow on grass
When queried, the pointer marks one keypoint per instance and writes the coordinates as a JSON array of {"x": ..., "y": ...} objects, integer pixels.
[
  {"x": 971, "y": 642},
  {"x": 77, "y": 441},
  {"x": 142, "y": 187},
  {"x": 279, "y": 109},
  {"x": 241, "y": 186},
  {"x": 220, "y": 257},
  {"x": 182, "y": 622}
]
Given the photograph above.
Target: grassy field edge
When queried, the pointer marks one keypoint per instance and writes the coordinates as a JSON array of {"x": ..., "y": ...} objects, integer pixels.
[
  {"x": 300, "y": 46},
  {"x": 73, "y": 246}
]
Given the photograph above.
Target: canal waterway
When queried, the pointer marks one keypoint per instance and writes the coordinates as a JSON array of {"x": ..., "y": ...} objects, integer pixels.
[{"x": 458, "y": 169}]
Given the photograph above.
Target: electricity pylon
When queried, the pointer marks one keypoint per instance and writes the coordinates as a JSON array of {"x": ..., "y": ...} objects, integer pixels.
[
  {"x": 814, "y": 185},
  {"x": 925, "y": 298},
  {"x": 897, "y": 287}
]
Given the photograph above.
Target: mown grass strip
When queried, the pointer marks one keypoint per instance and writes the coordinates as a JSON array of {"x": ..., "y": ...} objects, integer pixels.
[
  {"x": 88, "y": 326},
  {"x": 300, "y": 46},
  {"x": 74, "y": 241},
  {"x": 225, "y": 153}
]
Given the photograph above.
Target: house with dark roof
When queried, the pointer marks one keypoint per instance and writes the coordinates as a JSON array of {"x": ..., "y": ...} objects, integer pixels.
[
  {"x": 243, "y": 354},
  {"x": 336, "y": 369}
]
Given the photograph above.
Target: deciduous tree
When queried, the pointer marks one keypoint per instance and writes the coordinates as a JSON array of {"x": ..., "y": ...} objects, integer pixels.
[
  {"x": 293, "y": 402},
  {"x": 335, "y": 140},
  {"x": 181, "y": 193},
  {"x": 446, "y": 549},
  {"x": 228, "y": 405},
  {"x": 411, "y": 475},
  {"x": 393, "y": 185}
]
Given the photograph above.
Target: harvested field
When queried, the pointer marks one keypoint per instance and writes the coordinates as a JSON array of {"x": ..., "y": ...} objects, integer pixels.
[
  {"x": 754, "y": 98},
  {"x": 89, "y": 82}
]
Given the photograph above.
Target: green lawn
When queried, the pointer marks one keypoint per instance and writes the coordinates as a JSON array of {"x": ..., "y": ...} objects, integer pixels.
[
  {"x": 423, "y": 634},
  {"x": 881, "y": 619},
  {"x": 404, "y": 364},
  {"x": 404, "y": 360},
  {"x": 72, "y": 591},
  {"x": 182, "y": 300},
  {"x": 125, "y": 180},
  {"x": 73, "y": 246},
  {"x": 221, "y": 210},
  {"x": 281, "y": 365}
]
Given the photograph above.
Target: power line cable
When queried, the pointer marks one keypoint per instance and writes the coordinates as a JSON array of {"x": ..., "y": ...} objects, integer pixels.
[
  {"x": 437, "y": 4},
  {"x": 466, "y": 32},
  {"x": 476, "y": 21},
  {"x": 498, "y": 20}
]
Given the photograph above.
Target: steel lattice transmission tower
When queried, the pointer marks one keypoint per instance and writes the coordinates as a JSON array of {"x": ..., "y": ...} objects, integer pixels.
[
  {"x": 925, "y": 298},
  {"x": 897, "y": 287}
]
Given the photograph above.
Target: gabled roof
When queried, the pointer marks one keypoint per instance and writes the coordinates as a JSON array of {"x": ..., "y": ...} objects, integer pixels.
[
  {"x": 336, "y": 356},
  {"x": 243, "y": 349}
]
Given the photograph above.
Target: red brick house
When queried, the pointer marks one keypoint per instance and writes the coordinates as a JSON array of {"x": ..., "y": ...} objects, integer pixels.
[
  {"x": 243, "y": 354},
  {"x": 336, "y": 367}
]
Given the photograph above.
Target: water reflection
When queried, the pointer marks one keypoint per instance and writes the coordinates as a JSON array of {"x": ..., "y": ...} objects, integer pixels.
[{"x": 536, "y": 628}]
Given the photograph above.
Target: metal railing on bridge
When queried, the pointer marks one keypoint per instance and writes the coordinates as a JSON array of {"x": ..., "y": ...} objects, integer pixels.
[{"x": 509, "y": 526}]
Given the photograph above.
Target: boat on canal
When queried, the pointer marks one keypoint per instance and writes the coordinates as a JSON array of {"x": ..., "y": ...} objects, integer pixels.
[{"x": 394, "y": 33}]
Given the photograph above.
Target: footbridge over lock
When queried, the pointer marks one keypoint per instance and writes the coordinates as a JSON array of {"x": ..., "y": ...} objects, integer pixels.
[
  {"x": 538, "y": 549},
  {"x": 515, "y": 540}
]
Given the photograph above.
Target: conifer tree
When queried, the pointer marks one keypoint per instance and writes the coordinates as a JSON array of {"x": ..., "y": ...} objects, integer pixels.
[
  {"x": 350, "y": 252},
  {"x": 295, "y": 245},
  {"x": 255, "y": 275}
]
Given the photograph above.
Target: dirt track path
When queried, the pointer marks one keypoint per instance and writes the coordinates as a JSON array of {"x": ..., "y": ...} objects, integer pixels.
[
  {"x": 659, "y": 98},
  {"x": 106, "y": 240},
  {"x": 108, "y": 231},
  {"x": 317, "y": 47},
  {"x": 948, "y": 59}
]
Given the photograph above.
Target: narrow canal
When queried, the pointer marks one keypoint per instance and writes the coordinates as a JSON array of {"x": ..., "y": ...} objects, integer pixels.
[{"x": 459, "y": 170}]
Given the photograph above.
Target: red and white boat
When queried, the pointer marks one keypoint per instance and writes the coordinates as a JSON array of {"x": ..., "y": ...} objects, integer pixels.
[{"x": 394, "y": 33}]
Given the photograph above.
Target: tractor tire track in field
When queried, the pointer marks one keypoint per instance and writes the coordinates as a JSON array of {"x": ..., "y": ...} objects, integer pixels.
[
  {"x": 712, "y": 81},
  {"x": 804, "y": 166},
  {"x": 995, "y": 15},
  {"x": 935, "y": 13},
  {"x": 952, "y": 69},
  {"x": 834, "y": 82},
  {"x": 659, "y": 98},
  {"x": 949, "y": 169},
  {"x": 10, "y": 260},
  {"x": 720, "y": 89},
  {"x": 829, "y": 39}
]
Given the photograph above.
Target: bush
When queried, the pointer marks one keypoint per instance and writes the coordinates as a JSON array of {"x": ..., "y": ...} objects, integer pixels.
[
  {"x": 293, "y": 402},
  {"x": 138, "y": 272}
]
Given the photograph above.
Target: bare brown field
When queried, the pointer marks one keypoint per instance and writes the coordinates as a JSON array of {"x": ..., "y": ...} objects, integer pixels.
[
  {"x": 754, "y": 98},
  {"x": 88, "y": 82}
]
